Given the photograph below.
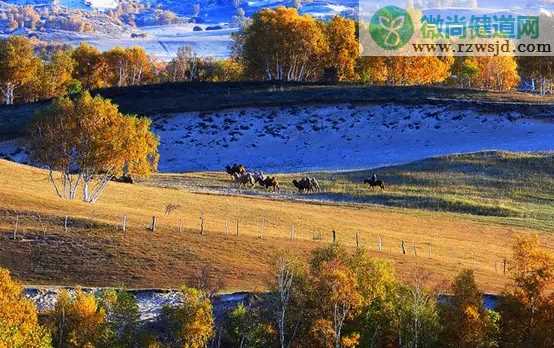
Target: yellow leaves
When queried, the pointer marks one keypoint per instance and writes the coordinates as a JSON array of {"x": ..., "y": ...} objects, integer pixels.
[
  {"x": 18, "y": 317},
  {"x": 405, "y": 71},
  {"x": 193, "y": 319},
  {"x": 499, "y": 73},
  {"x": 343, "y": 47},
  {"x": 531, "y": 268},
  {"x": 78, "y": 321},
  {"x": 283, "y": 45},
  {"x": 91, "y": 137}
]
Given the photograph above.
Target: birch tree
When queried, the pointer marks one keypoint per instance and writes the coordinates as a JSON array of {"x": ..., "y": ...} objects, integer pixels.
[
  {"x": 282, "y": 45},
  {"x": 18, "y": 66},
  {"x": 86, "y": 142}
]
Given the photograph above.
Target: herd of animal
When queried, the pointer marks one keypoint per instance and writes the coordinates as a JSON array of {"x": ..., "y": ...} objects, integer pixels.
[{"x": 243, "y": 178}]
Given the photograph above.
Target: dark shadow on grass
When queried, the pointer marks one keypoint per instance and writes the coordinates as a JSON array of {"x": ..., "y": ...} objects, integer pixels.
[{"x": 418, "y": 202}]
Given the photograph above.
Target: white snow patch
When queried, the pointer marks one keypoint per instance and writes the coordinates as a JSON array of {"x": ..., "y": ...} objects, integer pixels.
[
  {"x": 341, "y": 137},
  {"x": 329, "y": 138}
]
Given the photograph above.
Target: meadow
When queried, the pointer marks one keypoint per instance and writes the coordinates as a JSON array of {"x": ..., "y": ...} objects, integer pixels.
[{"x": 450, "y": 213}]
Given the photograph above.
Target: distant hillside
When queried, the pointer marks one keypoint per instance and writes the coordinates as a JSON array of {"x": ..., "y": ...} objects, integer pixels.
[{"x": 206, "y": 96}]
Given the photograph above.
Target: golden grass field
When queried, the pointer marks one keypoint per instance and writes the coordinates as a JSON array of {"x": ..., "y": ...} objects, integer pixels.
[{"x": 95, "y": 252}]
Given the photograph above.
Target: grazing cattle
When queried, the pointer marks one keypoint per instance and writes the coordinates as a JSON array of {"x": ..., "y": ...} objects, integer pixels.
[
  {"x": 236, "y": 168},
  {"x": 271, "y": 182},
  {"x": 245, "y": 180},
  {"x": 375, "y": 183}
]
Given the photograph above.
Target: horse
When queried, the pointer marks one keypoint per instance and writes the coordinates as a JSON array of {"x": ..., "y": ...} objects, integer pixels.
[{"x": 375, "y": 183}]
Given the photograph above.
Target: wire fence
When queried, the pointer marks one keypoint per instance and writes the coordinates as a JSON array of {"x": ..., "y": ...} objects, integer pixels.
[{"x": 32, "y": 227}]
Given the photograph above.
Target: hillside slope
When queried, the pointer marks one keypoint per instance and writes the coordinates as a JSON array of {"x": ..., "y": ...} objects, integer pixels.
[{"x": 94, "y": 250}]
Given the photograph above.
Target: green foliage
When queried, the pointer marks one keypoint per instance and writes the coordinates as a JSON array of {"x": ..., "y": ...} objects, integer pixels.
[
  {"x": 123, "y": 316},
  {"x": 245, "y": 328}
]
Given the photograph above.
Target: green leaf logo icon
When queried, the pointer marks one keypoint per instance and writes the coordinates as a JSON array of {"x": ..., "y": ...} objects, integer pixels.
[{"x": 391, "y": 27}]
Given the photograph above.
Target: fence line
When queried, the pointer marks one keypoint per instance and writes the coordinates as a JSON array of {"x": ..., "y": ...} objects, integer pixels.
[{"x": 24, "y": 227}]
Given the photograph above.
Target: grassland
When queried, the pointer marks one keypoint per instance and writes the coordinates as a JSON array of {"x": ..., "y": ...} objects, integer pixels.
[
  {"x": 508, "y": 188},
  {"x": 455, "y": 212}
]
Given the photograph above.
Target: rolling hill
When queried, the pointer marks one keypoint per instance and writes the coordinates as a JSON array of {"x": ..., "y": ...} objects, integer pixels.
[{"x": 95, "y": 251}]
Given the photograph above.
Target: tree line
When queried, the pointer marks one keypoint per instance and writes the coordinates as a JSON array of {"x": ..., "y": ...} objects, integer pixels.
[
  {"x": 337, "y": 299},
  {"x": 276, "y": 44}
]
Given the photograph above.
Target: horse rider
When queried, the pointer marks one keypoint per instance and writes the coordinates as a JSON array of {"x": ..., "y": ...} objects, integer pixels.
[{"x": 374, "y": 177}]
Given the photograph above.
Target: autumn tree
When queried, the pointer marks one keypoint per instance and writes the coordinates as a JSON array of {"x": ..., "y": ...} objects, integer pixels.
[
  {"x": 527, "y": 305},
  {"x": 538, "y": 70},
  {"x": 372, "y": 70},
  {"x": 191, "y": 324},
  {"x": 19, "y": 327},
  {"x": 496, "y": 73},
  {"x": 78, "y": 321},
  {"x": 54, "y": 76},
  {"x": 340, "y": 300},
  {"x": 184, "y": 66},
  {"x": 466, "y": 321},
  {"x": 405, "y": 71},
  {"x": 117, "y": 66},
  {"x": 343, "y": 47},
  {"x": 282, "y": 45},
  {"x": 417, "y": 310},
  {"x": 18, "y": 66},
  {"x": 90, "y": 67},
  {"x": 288, "y": 289},
  {"x": 140, "y": 67},
  {"x": 228, "y": 70},
  {"x": 127, "y": 66},
  {"x": 88, "y": 142}
]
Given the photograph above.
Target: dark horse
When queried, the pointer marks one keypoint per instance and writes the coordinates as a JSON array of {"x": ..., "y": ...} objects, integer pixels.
[{"x": 375, "y": 183}]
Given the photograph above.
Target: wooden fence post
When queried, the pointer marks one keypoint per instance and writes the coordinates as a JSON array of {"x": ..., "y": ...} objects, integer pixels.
[
  {"x": 429, "y": 245},
  {"x": 334, "y": 236},
  {"x": 380, "y": 244},
  {"x": 43, "y": 227},
  {"x": 65, "y": 223},
  {"x": 504, "y": 266},
  {"x": 124, "y": 225},
  {"x": 261, "y": 231},
  {"x": 153, "y": 226},
  {"x": 180, "y": 226},
  {"x": 16, "y": 227},
  {"x": 357, "y": 239},
  {"x": 202, "y": 224},
  {"x": 237, "y": 227},
  {"x": 403, "y": 248},
  {"x": 292, "y": 232},
  {"x": 226, "y": 227},
  {"x": 415, "y": 249}
]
